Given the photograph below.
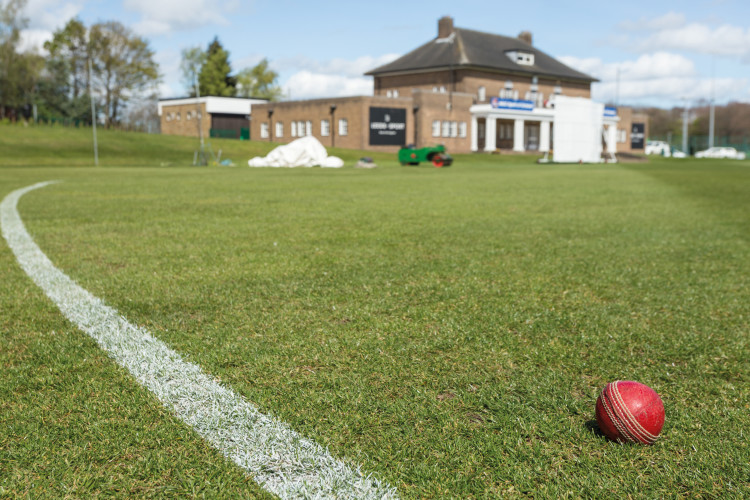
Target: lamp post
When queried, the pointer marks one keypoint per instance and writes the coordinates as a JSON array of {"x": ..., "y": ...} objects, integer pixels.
[
  {"x": 333, "y": 125},
  {"x": 685, "y": 128},
  {"x": 415, "y": 109},
  {"x": 270, "y": 125}
]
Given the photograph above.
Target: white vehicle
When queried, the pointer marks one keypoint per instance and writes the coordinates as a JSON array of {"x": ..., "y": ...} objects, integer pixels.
[
  {"x": 721, "y": 152},
  {"x": 658, "y": 148},
  {"x": 676, "y": 153}
]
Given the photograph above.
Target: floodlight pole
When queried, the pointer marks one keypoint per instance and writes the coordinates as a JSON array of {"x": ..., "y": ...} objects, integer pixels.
[
  {"x": 93, "y": 115},
  {"x": 711, "y": 113},
  {"x": 685, "y": 128}
]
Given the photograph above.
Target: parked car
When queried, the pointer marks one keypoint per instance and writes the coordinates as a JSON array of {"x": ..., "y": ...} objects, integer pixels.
[
  {"x": 658, "y": 148},
  {"x": 721, "y": 152},
  {"x": 676, "y": 153}
]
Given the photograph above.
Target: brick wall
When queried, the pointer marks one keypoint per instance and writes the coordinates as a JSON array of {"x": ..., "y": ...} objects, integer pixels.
[
  {"x": 354, "y": 109},
  {"x": 469, "y": 81},
  {"x": 183, "y": 120},
  {"x": 443, "y": 107}
]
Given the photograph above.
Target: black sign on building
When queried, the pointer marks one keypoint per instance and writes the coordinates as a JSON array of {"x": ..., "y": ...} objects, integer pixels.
[
  {"x": 387, "y": 126},
  {"x": 637, "y": 135}
]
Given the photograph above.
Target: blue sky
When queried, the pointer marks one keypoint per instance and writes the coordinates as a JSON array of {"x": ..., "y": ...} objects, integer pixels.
[{"x": 663, "y": 52}]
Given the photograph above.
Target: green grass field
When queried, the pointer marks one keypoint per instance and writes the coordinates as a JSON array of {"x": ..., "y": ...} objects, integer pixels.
[{"x": 447, "y": 329}]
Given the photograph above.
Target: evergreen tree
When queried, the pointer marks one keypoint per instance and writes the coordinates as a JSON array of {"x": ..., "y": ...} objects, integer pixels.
[{"x": 214, "y": 78}]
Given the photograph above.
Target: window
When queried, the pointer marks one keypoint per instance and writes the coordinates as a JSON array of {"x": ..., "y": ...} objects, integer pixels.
[
  {"x": 558, "y": 90},
  {"x": 325, "y": 128},
  {"x": 301, "y": 128},
  {"x": 436, "y": 128},
  {"x": 188, "y": 115},
  {"x": 481, "y": 94},
  {"x": 308, "y": 127},
  {"x": 522, "y": 58},
  {"x": 395, "y": 93},
  {"x": 462, "y": 129},
  {"x": 508, "y": 85},
  {"x": 454, "y": 129},
  {"x": 178, "y": 116},
  {"x": 622, "y": 135},
  {"x": 264, "y": 130},
  {"x": 279, "y": 129},
  {"x": 389, "y": 93},
  {"x": 343, "y": 126},
  {"x": 446, "y": 129},
  {"x": 434, "y": 89},
  {"x": 442, "y": 89},
  {"x": 293, "y": 130}
]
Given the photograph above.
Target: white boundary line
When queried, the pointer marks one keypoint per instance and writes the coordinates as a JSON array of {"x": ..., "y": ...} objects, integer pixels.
[{"x": 279, "y": 459}]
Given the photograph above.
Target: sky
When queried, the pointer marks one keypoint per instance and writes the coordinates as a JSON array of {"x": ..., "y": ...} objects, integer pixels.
[{"x": 645, "y": 53}]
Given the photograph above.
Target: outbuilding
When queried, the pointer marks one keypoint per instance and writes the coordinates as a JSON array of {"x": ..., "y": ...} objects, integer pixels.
[{"x": 227, "y": 117}]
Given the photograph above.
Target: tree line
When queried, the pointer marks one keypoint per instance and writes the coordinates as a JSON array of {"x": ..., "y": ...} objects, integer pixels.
[
  {"x": 112, "y": 64},
  {"x": 731, "y": 120}
]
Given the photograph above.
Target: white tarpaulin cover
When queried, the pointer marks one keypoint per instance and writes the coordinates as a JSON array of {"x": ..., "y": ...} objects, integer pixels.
[
  {"x": 304, "y": 152},
  {"x": 578, "y": 130}
]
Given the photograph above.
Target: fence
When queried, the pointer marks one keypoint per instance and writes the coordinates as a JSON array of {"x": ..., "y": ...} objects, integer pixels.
[
  {"x": 700, "y": 142},
  {"x": 242, "y": 134}
]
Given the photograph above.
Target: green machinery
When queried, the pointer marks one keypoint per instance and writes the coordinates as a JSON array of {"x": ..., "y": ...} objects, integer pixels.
[{"x": 435, "y": 154}]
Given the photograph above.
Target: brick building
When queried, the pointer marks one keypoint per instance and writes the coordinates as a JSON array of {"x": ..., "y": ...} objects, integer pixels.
[
  {"x": 468, "y": 90},
  {"x": 207, "y": 116}
]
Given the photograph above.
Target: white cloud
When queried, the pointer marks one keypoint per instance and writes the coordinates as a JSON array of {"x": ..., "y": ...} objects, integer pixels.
[
  {"x": 307, "y": 85},
  {"x": 646, "y": 67},
  {"x": 51, "y": 14},
  {"x": 672, "y": 32},
  {"x": 164, "y": 16},
  {"x": 653, "y": 77},
  {"x": 671, "y": 89},
  {"x": 332, "y": 78},
  {"x": 33, "y": 40},
  {"x": 670, "y": 20},
  {"x": 338, "y": 66}
]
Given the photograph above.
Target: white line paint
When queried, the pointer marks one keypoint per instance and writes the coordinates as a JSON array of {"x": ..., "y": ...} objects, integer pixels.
[{"x": 279, "y": 459}]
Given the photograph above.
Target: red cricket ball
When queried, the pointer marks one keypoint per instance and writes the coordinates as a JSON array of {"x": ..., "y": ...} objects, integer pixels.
[{"x": 630, "y": 412}]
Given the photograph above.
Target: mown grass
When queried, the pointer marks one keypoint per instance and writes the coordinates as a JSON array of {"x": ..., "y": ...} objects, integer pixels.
[{"x": 448, "y": 329}]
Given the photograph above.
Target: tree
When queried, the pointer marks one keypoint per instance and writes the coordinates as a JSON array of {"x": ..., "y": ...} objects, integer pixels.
[
  {"x": 18, "y": 71},
  {"x": 124, "y": 66},
  {"x": 214, "y": 78},
  {"x": 259, "y": 81},
  {"x": 191, "y": 65},
  {"x": 63, "y": 90}
]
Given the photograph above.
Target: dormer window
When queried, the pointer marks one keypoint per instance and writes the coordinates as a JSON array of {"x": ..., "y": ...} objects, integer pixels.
[{"x": 520, "y": 57}]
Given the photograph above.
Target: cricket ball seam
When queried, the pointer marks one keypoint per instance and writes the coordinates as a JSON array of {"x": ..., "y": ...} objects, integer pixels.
[
  {"x": 613, "y": 414},
  {"x": 643, "y": 435}
]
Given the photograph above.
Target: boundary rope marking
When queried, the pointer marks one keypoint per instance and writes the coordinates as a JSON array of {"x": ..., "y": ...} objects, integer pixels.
[{"x": 279, "y": 459}]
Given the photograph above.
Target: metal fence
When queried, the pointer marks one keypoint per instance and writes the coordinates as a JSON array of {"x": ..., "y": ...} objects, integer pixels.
[{"x": 242, "y": 134}]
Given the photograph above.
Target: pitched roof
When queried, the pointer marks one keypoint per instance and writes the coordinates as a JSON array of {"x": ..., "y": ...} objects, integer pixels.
[{"x": 469, "y": 48}]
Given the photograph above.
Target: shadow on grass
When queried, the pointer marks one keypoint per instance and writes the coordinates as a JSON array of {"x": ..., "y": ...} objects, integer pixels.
[{"x": 592, "y": 426}]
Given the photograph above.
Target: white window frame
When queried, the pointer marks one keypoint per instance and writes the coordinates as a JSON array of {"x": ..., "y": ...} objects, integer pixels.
[
  {"x": 308, "y": 127},
  {"x": 293, "y": 129},
  {"x": 481, "y": 93},
  {"x": 264, "y": 130},
  {"x": 436, "y": 128},
  {"x": 446, "y": 128},
  {"x": 462, "y": 129},
  {"x": 343, "y": 127},
  {"x": 279, "y": 129},
  {"x": 325, "y": 128},
  {"x": 454, "y": 129}
]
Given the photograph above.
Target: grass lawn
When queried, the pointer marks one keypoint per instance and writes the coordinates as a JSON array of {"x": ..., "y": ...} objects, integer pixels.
[{"x": 447, "y": 329}]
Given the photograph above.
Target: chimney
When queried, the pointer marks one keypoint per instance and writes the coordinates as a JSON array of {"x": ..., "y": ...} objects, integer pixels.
[
  {"x": 445, "y": 27},
  {"x": 525, "y": 36}
]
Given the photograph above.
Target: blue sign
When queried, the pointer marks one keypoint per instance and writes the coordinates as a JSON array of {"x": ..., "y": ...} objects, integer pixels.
[
  {"x": 610, "y": 112},
  {"x": 517, "y": 104}
]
